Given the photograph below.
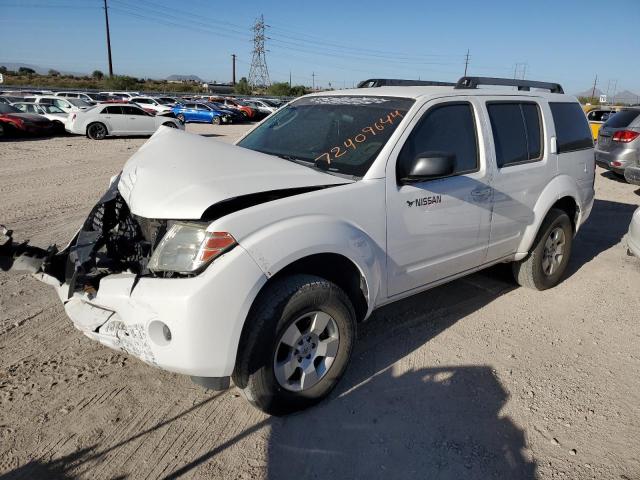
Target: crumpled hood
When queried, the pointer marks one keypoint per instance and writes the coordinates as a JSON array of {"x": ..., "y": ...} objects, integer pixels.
[{"x": 178, "y": 175}]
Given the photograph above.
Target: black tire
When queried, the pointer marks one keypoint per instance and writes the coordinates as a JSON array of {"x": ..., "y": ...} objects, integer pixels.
[
  {"x": 216, "y": 120},
  {"x": 96, "y": 131},
  {"x": 276, "y": 309},
  {"x": 181, "y": 118},
  {"x": 170, "y": 124},
  {"x": 530, "y": 271}
]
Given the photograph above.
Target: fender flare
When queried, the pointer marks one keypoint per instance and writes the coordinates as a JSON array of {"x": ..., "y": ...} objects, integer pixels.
[
  {"x": 280, "y": 244},
  {"x": 560, "y": 187}
]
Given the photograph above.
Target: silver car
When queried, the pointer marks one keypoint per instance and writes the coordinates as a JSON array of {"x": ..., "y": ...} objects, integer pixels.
[{"x": 618, "y": 144}]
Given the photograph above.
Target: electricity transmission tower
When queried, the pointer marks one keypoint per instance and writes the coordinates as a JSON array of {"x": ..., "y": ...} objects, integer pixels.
[{"x": 259, "y": 73}]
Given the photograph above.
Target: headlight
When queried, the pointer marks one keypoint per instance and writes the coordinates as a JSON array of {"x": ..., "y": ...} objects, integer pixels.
[{"x": 187, "y": 248}]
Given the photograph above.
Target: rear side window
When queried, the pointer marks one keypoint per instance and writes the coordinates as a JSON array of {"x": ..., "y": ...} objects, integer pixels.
[
  {"x": 572, "y": 128},
  {"x": 447, "y": 128},
  {"x": 622, "y": 119},
  {"x": 517, "y": 132}
]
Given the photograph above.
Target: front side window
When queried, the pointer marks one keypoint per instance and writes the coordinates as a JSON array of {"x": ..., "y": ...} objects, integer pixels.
[
  {"x": 133, "y": 111},
  {"x": 572, "y": 129},
  {"x": 338, "y": 134},
  {"x": 517, "y": 132},
  {"x": 59, "y": 103},
  {"x": 449, "y": 128}
]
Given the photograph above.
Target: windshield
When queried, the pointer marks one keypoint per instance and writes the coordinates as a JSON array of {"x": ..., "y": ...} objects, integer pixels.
[
  {"x": 4, "y": 108},
  {"x": 51, "y": 109},
  {"x": 341, "y": 134},
  {"x": 77, "y": 102},
  {"x": 622, "y": 119}
]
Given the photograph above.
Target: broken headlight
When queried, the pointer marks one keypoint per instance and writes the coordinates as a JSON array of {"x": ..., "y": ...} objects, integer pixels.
[{"x": 188, "y": 248}]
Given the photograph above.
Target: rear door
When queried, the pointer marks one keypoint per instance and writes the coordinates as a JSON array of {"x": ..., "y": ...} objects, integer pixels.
[
  {"x": 524, "y": 166},
  {"x": 113, "y": 117},
  {"x": 439, "y": 228}
]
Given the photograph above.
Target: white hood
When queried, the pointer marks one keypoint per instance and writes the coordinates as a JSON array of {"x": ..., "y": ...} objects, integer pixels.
[{"x": 178, "y": 175}]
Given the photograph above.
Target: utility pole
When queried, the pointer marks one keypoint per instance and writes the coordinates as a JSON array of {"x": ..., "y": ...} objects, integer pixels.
[
  {"x": 233, "y": 67},
  {"x": 313, "y": 80},
  {"x": 106, "y": 19},
  {"x": 289, "y": 78},
  {"x": 593, "y": 90},
  {"x": 524, "y": 70},
  {"x": 466, "y": 63}
]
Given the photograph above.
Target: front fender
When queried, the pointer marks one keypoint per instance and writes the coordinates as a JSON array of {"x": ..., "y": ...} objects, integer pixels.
[
  {"x": 560, "y": 187},
  {"x": 279, "y": 244}
]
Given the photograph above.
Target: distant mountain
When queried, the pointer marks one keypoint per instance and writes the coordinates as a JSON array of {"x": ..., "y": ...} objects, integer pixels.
[
  {"x": 620, "y": 97},
  {"x": 184, "y": 78},
  {"x": 38, "y": 69}
]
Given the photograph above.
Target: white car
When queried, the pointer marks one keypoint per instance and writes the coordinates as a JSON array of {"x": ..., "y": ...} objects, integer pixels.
[
  {"x": 151, "y": 104},
  {"x": 68, "y": 105},
  {"x": 122, "y": 95},
  {"x": 261, "y": 105},
  {"x": 117, "y": 119},
  {"x": 258, "y": 260},
  {"x": 51, "y": 112},
  {"x": 89, "y": 97}
]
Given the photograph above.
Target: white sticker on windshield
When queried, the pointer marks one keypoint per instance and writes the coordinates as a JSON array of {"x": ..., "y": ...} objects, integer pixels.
[{"x": 347, "y": 100}]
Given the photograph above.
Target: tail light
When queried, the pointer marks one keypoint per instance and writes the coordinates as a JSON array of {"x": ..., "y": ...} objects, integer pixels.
[{"x": 625, "y": 136}]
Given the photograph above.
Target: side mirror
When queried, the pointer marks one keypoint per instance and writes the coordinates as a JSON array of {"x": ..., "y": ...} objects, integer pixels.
[{"x": 426, "y": 166}]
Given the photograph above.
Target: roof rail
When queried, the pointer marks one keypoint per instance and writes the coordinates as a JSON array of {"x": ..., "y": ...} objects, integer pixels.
[
  {"x": 387, "y": 82},
  {"x": 524, "y": 85}
]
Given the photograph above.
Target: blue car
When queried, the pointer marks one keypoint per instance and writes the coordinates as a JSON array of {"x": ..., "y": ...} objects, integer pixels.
[{"x": 200, "y": 112}]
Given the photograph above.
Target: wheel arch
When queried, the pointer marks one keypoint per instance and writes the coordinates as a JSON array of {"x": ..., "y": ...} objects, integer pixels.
[
  {"x": 93, "y": 122},
  {"x": 561, "y": 193}
]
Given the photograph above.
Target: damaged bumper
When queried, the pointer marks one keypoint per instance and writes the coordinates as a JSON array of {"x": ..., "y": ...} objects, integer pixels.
[{"x": 186, "y": 325}]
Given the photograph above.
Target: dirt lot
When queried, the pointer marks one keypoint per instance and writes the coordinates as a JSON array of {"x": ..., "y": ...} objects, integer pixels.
[{"x": 477, "y": 379}]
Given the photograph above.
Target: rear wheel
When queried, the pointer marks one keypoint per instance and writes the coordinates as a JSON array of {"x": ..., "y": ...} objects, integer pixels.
[
  {"x": 296, "y": 345},
  {"x": 96, "y": 131},
  {"x": 544, "y": 267}
]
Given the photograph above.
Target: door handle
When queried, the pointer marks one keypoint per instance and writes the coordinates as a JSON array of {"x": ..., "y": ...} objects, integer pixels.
[{"x": 481, "y": 193}]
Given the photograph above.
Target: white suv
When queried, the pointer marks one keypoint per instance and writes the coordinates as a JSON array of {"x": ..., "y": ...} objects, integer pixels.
[{"x": 257, "y": 261}]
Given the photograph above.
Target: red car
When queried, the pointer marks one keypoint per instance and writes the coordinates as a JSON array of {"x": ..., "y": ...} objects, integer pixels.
[
  {"x": 229, "y": 103},
  {"x": 13, "y": 121}
]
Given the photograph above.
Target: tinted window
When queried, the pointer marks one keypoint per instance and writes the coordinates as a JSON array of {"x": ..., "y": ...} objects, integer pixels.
[
  {"x": 132, "y": 111},
  {"x": 622, "y": 119},
  {"x": 447, "y": 128},
  {"x": 516, "y": 132},
  {"x": 572, "y": 128},
  {"x": 112, "y": 110},
  {"x": 202, "y": 107}
]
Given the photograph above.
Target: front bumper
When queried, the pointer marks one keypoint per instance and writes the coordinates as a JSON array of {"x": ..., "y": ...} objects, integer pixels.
[
  {"x": 204, "y": 315},
  {"x": 633, "y": 237}
]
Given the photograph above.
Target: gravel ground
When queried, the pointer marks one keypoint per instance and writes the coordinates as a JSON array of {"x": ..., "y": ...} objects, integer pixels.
[{"x": 477, "y": 379}]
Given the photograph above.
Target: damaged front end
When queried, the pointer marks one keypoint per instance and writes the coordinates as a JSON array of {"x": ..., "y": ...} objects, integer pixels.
[{"x": 111, "y": 240}]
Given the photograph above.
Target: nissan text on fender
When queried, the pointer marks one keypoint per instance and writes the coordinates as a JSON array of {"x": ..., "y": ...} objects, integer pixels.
[{"x": 257, "y": 261}]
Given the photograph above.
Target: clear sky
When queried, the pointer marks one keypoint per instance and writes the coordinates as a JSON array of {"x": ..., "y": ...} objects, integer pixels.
[{"x": 568, "y": 41}]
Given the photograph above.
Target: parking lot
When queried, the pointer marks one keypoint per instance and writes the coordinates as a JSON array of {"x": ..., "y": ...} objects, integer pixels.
[{"x": 475, "y": 379}]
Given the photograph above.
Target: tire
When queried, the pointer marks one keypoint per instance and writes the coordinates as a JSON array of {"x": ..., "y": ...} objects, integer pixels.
[
  {"x": 170, "y": 125},
  {"x": 298, "y": 299},
  {"x": 542, "y": 268},
  {"x": 96, "y": 131},
  {"x": 181, "y": 118},
  {"x": 216, "y": 120},
  {"x": 3, "y": 131}
]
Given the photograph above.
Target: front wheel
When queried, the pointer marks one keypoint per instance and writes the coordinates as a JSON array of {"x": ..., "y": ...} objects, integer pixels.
[
  {"x": 96, "y": 131},
  {"x": 296, "y": 344},
  {"x": 215, "y": 120},
  {"x": 181, "y": 118},
  {"x": 544, "y": 267}
]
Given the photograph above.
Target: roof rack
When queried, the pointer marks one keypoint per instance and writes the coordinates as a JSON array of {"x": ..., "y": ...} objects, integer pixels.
[
  {"x": 387, "y": 82},
  {"x": 523, "y": 85}
]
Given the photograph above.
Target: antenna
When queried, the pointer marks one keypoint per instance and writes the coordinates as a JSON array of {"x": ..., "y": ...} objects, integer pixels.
[{"x": 259, "y": 73}]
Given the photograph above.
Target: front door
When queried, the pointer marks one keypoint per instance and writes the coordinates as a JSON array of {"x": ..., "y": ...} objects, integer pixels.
[{"x": 438, "y": 228}]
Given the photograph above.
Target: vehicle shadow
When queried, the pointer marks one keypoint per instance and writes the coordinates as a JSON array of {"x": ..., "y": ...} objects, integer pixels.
[
  {"x": 440, "y": 422},
  {"x": 612, "y": 176},
  {"x": 605, "y": 228}
]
